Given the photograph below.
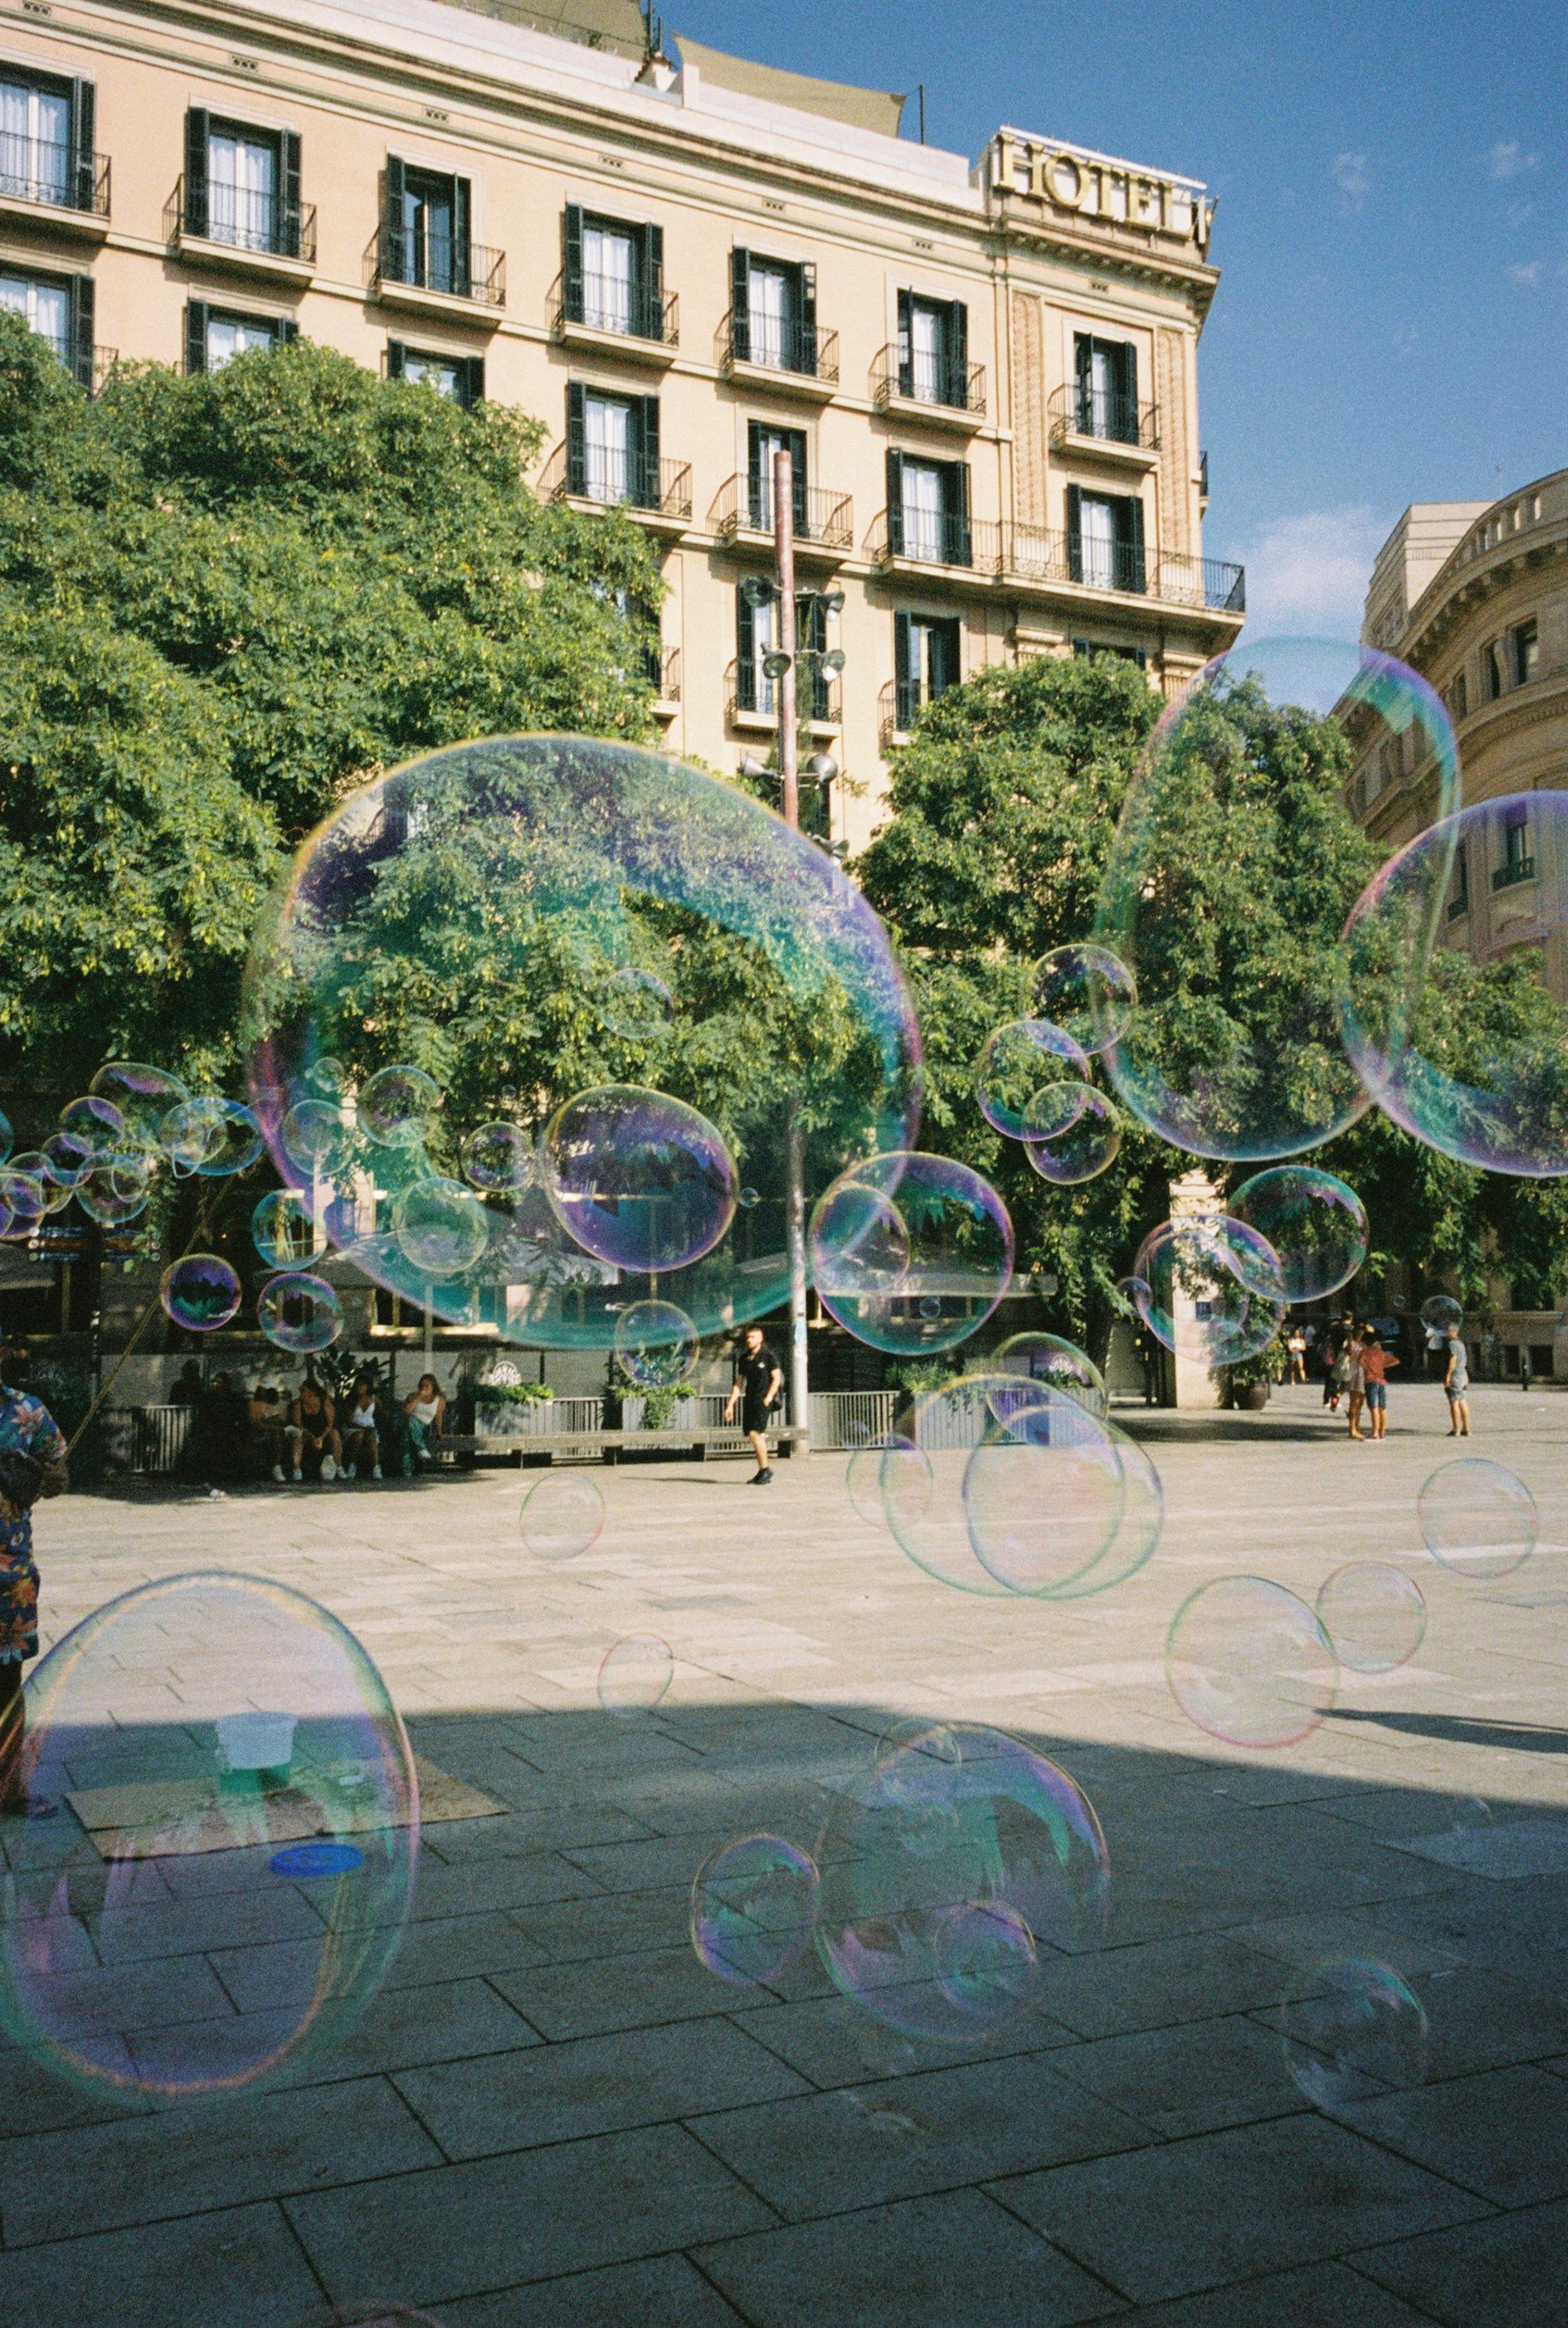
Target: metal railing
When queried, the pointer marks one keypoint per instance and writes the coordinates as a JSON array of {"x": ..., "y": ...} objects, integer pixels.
[
  {"x": 748, "y": 689},
  {"x": 667, "y": 493},
  {"x": 668, "y": 681},
  {"x": 846, "y": 1420},
  {"x": 157, "y": 1437},
  {"x": 60, "y": 176},
  {"x": 930, "y": 538},
  {"x": 258, "y": 223},
  {"x": 439, "y": 263},
  {"x": 1516, "y": 869},
  {"x": 743, "y": 504},
  {"x": 1106, "y": 417},
  {"x": 810, "y": 354},
  {"x": 608, "y": 303},
  {"x": 950, "y": 386}
]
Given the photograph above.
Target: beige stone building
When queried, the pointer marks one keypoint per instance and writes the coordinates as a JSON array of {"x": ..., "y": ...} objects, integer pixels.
[{"x": 988, "y": 375}]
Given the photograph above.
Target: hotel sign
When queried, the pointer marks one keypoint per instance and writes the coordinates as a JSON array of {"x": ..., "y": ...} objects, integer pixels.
[{"x": 1068, "y": 178}]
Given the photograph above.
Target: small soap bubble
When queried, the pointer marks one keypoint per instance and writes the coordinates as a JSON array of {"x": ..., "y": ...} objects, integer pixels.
[
  {"x": 1087, "y": 992},
  {"x": 498, "y": 1158},
  {"x": 1478, "y": 1518},
  {"x": 1017, "y": 1060},
  {"x": 283, "y": 1229},
  {"x": 299, "y": 1312},
  {"x": 215, "y": 1137},
  {"x": 1047, "y": 1358},
  {"x": 1210, "y": 1288},
  {"x": 657, "y": 1345},
  {"x": 641, "y": 1180},
  {"x": 752, "y": 1906},
  {"x": 1250, "y": 1663},
  {"x": 440, "y": 1226},
  {"x": 1079, "y": 1148},
  {"x": 637, "y": 1005},
  {"x": 1353, "y": 2030},
  {"x": 397, "y": 1106},
  {"x": 116, "y": 1188},
  {"x": 748, "y": 1199},
  {"x": 199, "y": 1292},
  {"x": 1442, "y": 1314},
  {"x": 1373, "y": 1614},
  {"x": 636, "y": 1675},
  {"x": 315, "y": 1138},
  {"x": 562, "y": 1515},
  {"x": 986, "y": 1961}
]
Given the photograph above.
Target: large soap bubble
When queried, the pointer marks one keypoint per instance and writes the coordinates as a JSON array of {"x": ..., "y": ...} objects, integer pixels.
[
  {"x": 199, "y": 1292},
  {"x": 1442, "y": 1314},
  {"x": 186, "y": 1737},
  {"x": 657, "y": 1345},
  {"x": 142, "y": 1096},
  {"x": 911, "y": 1252},
  {"x": 1235, "y": 1047},
  {"x": 752, "y": 1906},
  {"x": 1373, "y": 1614},
  {"x": 1016, "y": 1061},
  {"x": 946, "y": 1875},
  {"x": 1210, "y": 1288},
  {"x": 1250, "y": 1663},
  {"x": 1315, "y": 1223},
  {"x": 1479, "y": 1519},
  {"x": 1353, "y": 2030},
  {"x": 1500, "y": 1099},
  {"x": 1086, "y": 992},
  {"x": 478, "y": 906}
]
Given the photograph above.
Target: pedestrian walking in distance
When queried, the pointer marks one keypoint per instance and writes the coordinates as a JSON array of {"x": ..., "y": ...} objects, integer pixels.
[
  {"x": 1456, "y": 1383},
  {"x": 758, "y": 1382},
  {"x": 1376, "y": 1362}
]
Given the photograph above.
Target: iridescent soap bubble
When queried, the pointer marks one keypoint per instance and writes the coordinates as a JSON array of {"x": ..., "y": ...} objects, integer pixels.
[
  {"x": 911, "y": 1252},
  {"x": 918, "y": 1730},
  {"x": 199, "y": 1292},
  {"x": 440, "y": 1226},
  {"x": 531, "y": 872},
  {"x": 8, "y": 1137},
  {"x": 636, "y": 1675},
  {"x": 752, "y": 1906},
  {"x": 141, "y": 1096},
  {"x": 1079, "y": 1148},
  {"x": 637, "y": 1005},
  {"x": 939, "y": 1876},
  {"x": 90, "y": 1127},
  {"x": 1087, "y": 992},
  {"x": 498, "y": 1158},
  {"x": 214, "y": 1137},
  {"x": 1316, "y": 1223},
  {"x": 116, "y": 1188},
  {"x": 1495, "y": 1100},
  {"x": 1250, "y": 1663},
  {"x": 1442, "y": 1314},
  {"x": 313, "y": 1137},
  {"x": 1138, "y": 1531},
  {"x": 54, "y": 1196},
  {"x": 1210, "y": 1288},
  {"x": 284, "y": 1231},
  {"x": 1043, "y": 1491},
  {"x": 864, "y": 1475},
  {"x": 1477, "y": 1519},
  {"x": 23, "y": 1200},
  {"x": 1235, "y": 1051},
  {"x": 657, "y": 1345},
  {"x": 1353, "y": 2030},
  {"x": 1373, "y": 1614},
  {"x": 66, "y": 1160},
  {"x": 1049, "y": 1358},
  {"x": 299, "y": 1312},
  {"x": 1016, "y": 1061},
  {"x": 397, "y": 1106},
  {"x": 179, "y": 1735},
  {"x": 562, "y": 1515}
]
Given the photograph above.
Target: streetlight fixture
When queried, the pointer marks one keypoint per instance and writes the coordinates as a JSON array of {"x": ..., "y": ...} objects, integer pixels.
[{"x": 822, "y": 767}]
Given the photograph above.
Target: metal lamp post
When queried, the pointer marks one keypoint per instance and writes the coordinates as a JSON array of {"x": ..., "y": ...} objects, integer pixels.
[{"x": 784, "y": 542}]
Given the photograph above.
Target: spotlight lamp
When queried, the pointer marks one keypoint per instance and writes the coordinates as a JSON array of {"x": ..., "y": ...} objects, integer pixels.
[
  {"x": 833, "y": 601},
  {"x": 833, "y": 661},
  {"x": 775, "y": 665},
  {"x": 822, "y": 767},
  {"x": 756, "y": 591},
  {"x": 752, "y": 768}
]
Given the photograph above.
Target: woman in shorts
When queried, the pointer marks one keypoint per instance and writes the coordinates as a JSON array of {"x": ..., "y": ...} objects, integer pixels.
[
  {"x": 1456, "y": 1383},
  {"x": 1376, "y": 1362}
]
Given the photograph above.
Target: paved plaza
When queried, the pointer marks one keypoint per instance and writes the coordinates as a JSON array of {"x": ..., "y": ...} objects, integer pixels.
[{"x": 554, "y": 2115}]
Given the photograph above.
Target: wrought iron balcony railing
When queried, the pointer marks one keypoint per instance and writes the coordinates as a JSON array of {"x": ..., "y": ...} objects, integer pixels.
[
  {"x": 743, "y": 504},
  {"x": 661, "y": 489},
  {"x": 608, "y": 303},
  {"x": 250, "y": 224},
  {"x": 1516, "y": 869},
  {"x": 935, "y": 538},
  {"x": 59, "y": 176},
  {"x": 451, "y": 268},
  {"x": 948, "y": 387},
  {"x": 748, "y": 688},
  {"x": 1109, "y": 418},
  {"x": 779, "y": 345}
]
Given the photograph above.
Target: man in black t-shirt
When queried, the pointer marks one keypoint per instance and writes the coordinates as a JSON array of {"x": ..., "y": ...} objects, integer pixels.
[{"x": 758, "y": 1381}]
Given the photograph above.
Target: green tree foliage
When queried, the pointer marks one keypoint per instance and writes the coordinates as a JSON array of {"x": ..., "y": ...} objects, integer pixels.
[
  {"x": 1005, "y": 804},
  {"x": 225, "y": 601}
]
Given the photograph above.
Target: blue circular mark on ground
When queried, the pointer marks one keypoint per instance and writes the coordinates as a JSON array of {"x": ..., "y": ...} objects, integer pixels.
[{"x": 316, "y": 1859}]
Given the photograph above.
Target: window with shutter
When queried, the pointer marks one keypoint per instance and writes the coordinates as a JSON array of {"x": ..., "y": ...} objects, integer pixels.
[
  {"x": 45, "y": 303},
  {"x": 906, "y": 344},
  {"x": 643, "y": 482},
  {"x": 763, "y": 441},
  {"x": 957, "y": 355},
  {"x": 81, "y": 329},
  {"x": 572, "y": 263},
  {"x": 197, "y": 130},
  {"x": 805, "y": 352},
  {"x": 740, "y": 306},
  {"x": 1107, "y": 388},
  {"x": 576, "y": 437},
  {"x": 649, "y": 312},
  {"x": 895, "y": 502},
  {"x": 195, "y": 336},
  {"x": 244, "y": 186},
  {"x": 288, "y": 210},
  {"x": 83, "y": 160}
]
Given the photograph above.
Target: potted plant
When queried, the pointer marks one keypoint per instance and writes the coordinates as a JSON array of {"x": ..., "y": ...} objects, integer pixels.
[
  {"x": 507, "y": 1407},
  {"x": 1247, "y": 1383}
]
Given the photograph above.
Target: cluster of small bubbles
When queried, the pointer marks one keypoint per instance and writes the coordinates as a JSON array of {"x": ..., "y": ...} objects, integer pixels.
[
  {"x": 1087, "y": 992},
  {"x": 1441, "y": 1315},
  {"x": 657, "y": 1345},
  {"x": 66, "y": 1160},
  {"x": 1373, "y": 1614},
  {"x": 283, "y": 1229},
  {"x": 141, "y": 1097},
  {"x": 635, "y": 1675},
  {"x": 1353, "y": 2030},
  {"x": 498, "y": 1158},
  {"x": 1478, "y": 1518},
  {"x": 299, "y": 1312},
  {"x": 1060, "y": 1364},
  {"x": 1250, "y": 1663},
  {"x": 637, "y": 1005},
  {"x": 397, "y": 1106},
  {"x": 945, "y": 1874},
  {"x": 562, "y": 1515},
  {"x": 116, "y": 1188},
  {"x": 1316, "y": 1223},
  {"x": 1086, "y": 1143},
  {"x": 1208, "y": 1287},
  {"x": 753, "y": 1907},
  {"x": 911, "y": 1252},
  {"x": 1018, "y": 1060},
  {"x": 22, "y": 1201},
  {"x": 285, "y": 1734},
  {"x": 34, "y": 1166},
  {"x": 641, "y": 1180},
  {"x": 1501, "y": 1105},
  {"x": 199, "y": 1292},
  {"x": 215, "y": 1137},
  {"x": 440, "y": 1226}
]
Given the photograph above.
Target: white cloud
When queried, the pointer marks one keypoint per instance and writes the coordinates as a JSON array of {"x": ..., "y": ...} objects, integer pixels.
[
  {"x": 1353, "y": 177},
  {"x": 1508, "y": 159},
  {"x": 1306, "y": 576},
  {"x": 1526, "y": 271}
]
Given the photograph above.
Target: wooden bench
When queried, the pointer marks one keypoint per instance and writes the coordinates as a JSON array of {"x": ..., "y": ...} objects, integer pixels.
[{"x": 579, "y": 1446}]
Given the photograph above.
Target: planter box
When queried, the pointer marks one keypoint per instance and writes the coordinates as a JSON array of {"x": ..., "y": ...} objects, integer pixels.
[{"x": 514, "y": 1421}]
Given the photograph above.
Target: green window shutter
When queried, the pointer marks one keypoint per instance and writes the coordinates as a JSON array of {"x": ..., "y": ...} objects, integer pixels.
[
  {"x": 962, "y": 531},
  {"x": 650, "y": 289},
  {"x": 905, "y": 346},
  {"x": 755, "y": 487},
  {"x": 797, "y": 444},
  {"x": 957, "y": 355},
  {"x": 395, "y": 354},
  {"x": 198, "y": 135},
  {"x": 576, "y": 438},
  {"x": 83, "y": 114},
  {"x": 81, "y": 324},
  {"x": 806, "y": 353},
  {"x": 1075, "y": 532},
  {"x": 740, "y": 306},
  {"x": 1127, "y": 371},
  {"x": 943, "y": 656},
  {"x": 572, "y": 263},
  {"x": 473, "y": 382},
  {"x": 905, "y": 677},
  {"x": 289, "y": 207},
  {"x": 1084, "y": 369},
  {"x": 745, "y": 655},
  {"x": 394, "y": 226},
  {"x": 645, "y": 442},
  {"x": 196, "y": 311},
  {"x": 895, "y": 502},
  {"x": 462, "y": 239},
  {"x": 286, "y": 334},
  {"x": 1133, "y": 561}
]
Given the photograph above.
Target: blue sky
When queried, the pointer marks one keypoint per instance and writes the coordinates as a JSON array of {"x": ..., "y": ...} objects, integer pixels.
[{"x": 1392, "y": 321}]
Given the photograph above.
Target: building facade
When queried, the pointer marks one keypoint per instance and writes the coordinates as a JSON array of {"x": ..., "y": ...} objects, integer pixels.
[{"x": 987, "y": 376}]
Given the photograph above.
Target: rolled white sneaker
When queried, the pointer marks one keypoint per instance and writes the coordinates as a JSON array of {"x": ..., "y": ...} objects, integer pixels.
[
  {"x": 351, "y": 1471},
  {"x": 298, "y": 1475},
  {"x": 277, "y": 1473},
  {"x": 377, "y": 1472},
  {"x": 329, "y": 1471}
]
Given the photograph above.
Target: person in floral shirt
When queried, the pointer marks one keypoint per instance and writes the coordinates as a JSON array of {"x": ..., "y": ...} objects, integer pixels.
[{"x": 32, "y": 1464}]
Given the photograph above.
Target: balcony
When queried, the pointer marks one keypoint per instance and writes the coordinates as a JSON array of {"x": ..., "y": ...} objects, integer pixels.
[
  {"x": 794, "y": 363},
  {"x": 931, "y": 541},
  {"x": 616, "y": 318},
  {"x": 751, "y": 699},
  {"x": 434, "y": 275},
  {"x": 1516, "y": 869},
  {"x": 56, "y": 186},
  {"x": 1099, "y": 426},
  {"x": 658, "y": 494},
  {"x": 1124, "y": 570},
  {"x": 664, "y": 671},
  {"x": 242, "y": 233},
  {"x": 742, "y": 516},
  {"x": 953, "y": 398}
]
